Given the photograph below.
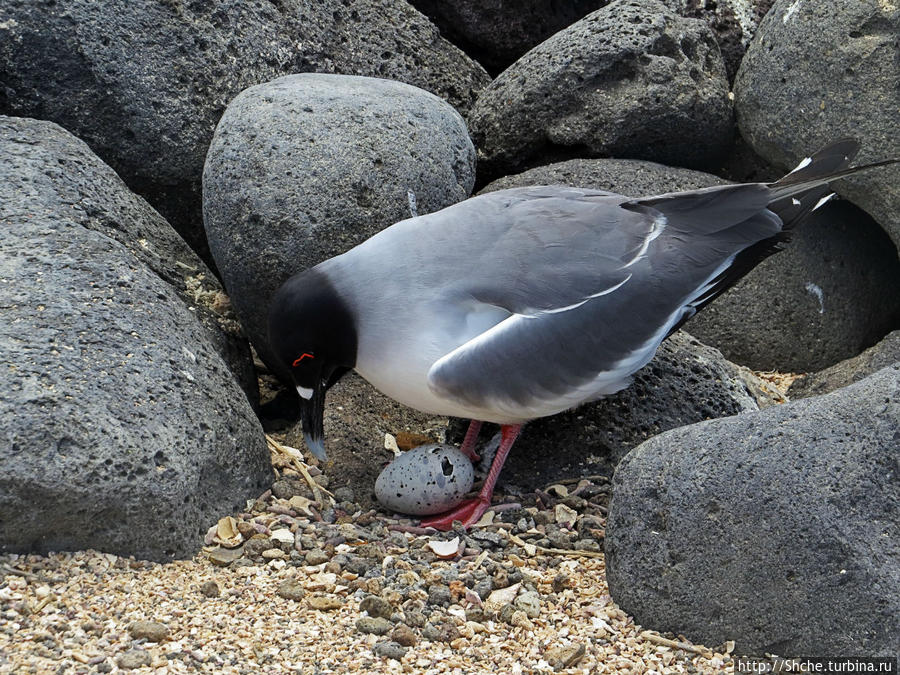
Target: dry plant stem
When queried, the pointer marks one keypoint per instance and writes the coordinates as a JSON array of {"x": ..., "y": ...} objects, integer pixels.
[
  {"x": 558, "y": 551},
  {"x": 317, "y": 489},
  {"x": 597, "y": 478},
  {"x": 674, "y": 644}
]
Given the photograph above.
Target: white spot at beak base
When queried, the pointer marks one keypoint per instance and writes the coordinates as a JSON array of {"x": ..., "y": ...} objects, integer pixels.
[{"x": 304, "y": 392}]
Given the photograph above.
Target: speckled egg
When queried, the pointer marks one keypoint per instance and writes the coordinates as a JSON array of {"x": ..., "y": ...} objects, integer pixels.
[{"x": 425, "y": 480}]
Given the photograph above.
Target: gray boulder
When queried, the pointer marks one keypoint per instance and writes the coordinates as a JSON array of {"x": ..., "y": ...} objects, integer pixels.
[
  {"x": 733, "y": 22},
  {"x": 496, "y": 32},
  {"x": 882, "y": 355},
  {"x": 124, "y": 429},
  {"x": 306, "y": 166},
  {"x": 779, "y": 530},
  {"x": 144, "y": 82},
  {"x": 630, "y": 80},
  {"x": 632, "y": 177},
  {"x": 831, "y": 293},
  {"x": 817, "y": 71},
  {"x": 44, "y": 164},
  {"x": 774, "y": 317}
]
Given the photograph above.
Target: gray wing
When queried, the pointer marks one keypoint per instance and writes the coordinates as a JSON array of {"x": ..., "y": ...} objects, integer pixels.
[
  {"x": 540, "y": 249},
  {"x": 594, "y": 290}
]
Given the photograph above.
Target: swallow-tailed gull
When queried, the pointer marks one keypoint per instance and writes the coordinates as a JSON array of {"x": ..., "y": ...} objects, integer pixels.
[{"x": 523, "y": 303}]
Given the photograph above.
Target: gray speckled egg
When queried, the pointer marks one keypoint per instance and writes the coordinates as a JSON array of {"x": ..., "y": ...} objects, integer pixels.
[{"x": 425, "y": 480}]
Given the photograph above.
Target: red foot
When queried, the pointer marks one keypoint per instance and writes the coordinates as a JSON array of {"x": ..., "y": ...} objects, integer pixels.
[{"x": 468, "y": 513}]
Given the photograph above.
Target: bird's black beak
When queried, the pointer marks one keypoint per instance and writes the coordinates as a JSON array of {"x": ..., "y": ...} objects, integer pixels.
[
  {"x": 312, "y": 414},
  {"x": 312, "y": 410}
]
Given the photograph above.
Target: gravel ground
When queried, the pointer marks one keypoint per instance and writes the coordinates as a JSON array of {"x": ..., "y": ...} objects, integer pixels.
[{"x": 306, "y": 581}]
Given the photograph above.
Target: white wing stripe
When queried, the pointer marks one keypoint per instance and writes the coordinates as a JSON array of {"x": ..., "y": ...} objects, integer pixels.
[
  {"x": 539, "y": 312},
  {"x": 659, "y": 224}
]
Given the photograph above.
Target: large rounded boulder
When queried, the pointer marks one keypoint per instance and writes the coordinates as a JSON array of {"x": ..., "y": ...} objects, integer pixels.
[
  {"x": 144, "y": 82},
  {"x": 831, "y": 293},
  {"x": 632, "y": 79},
  {"x": 307, "y": 166},
  {"x": 124, "y": 428},
  {"x": 779, "y": 530},
  {"x": 496, "y": 32},
  {"x": 822, "y": 70}
]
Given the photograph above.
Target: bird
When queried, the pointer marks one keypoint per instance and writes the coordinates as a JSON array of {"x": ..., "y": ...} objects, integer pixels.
[{"x": 526, "y": 302}]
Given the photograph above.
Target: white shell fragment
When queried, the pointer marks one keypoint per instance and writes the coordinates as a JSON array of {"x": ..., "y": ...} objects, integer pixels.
[
  {"x": 425, "y": 480},
  {"x": 283, "y": 535},
  {"x": 444, "y": 549}
]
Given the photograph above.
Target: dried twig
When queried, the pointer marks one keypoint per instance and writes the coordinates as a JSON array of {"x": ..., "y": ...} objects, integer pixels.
[
  {"x": 317, "y": 490},
  {"x": 674, "y": 644},
  {"x": 7, "y": 569},
  {"x": 556, "y": 551},
  {"x": 598, "y": 478}
]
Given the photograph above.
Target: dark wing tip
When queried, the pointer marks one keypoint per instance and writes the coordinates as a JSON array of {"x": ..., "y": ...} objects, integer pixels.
[{"x": 829, "y": 159}]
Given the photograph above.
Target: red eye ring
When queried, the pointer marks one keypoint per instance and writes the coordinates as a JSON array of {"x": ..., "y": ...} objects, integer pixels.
[{"x": 304, "y": 355}]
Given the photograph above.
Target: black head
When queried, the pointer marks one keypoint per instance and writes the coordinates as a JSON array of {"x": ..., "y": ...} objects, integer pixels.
[{"x": 312, "y": 334}]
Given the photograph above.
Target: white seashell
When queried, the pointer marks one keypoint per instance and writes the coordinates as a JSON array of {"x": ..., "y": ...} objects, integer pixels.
[{"x": 444, "y": 549}]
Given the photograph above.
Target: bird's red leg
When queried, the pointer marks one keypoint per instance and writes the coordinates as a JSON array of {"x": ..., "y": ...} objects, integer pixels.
[
  {"x": 468, "y": 444},
  {"x": 469, "y": 512}
]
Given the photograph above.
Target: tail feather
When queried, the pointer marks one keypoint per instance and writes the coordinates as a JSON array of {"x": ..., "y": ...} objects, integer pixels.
[
  {"x": 791, "y": 198},
  {"x": 797, "y": 194},
  {"x": 835, "y": 156}
]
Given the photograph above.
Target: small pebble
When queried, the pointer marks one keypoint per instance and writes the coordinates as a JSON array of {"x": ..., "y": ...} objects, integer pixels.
[
  {"x": 560, "y": 539},
  {"x": 476, "y": 614},
  {"x": 439, "y": 595},
  {"x": 391, "y": 650},
  {"x": 407, "y": 440},
  {"x": 246, "y": 529},
  {"x": 344, "y": 494},
  {"x": 285, "y": 488},
  {"x": 134, "y": 658},
  {"x": 445, "y": 632},
  {"x": 92, "y": 627},
  {"x": 210, "y": 589},
  {"x": 414, "y": 618},
  {"x": 316, "y": 557},
  {"x": 152, "y": 631},
  {"x": 291, "y": 589},
  {"x": 560, "y": 582},
  {"x": 404, "y": 635},
  {"x": 283, "y": 536},
  {"x": 520, "y": 619},
  {"x": 587, "y": 545},
  {"x": 530, "y": 603},
  {"x": 224, "y": 556},
  {"x": 561, "y": 658},
  {"x": 376, "y": 606},
  {"x": 324, "y": 602},
  {"x": 488, "y": 537},
  {"x": 374, "y": 625},
  {"x": 483, "y": 588}
]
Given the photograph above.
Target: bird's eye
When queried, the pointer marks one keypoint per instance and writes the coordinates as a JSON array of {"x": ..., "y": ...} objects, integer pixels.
[{"x": 304, "y": 355}]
